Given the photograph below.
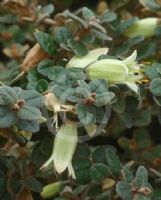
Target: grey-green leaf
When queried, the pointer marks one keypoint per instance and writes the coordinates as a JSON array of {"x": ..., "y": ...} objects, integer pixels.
[
  {"x": 128, "y": 174},
  {"x": 99, "y": 172},
  {"x": 42, "y": 85},
  {"x": 86, "y": 114},
  {"x": 151, "y": 5},
  {"x": 7, "y": 95},
  {"x": 155, "y": 87},
  {"x": 119, "y": 105},
  {"x": 113, "y": 162},
  {"x": 45, "y": 67},
  {"x": 82, "y": 170},
  {"x": 7, "y": 117},
  {"x": 100, "y": 35},
  {"x": 108, "y": 16},
  {"x": 33, "y": 184},
  {"x": 87, "y": 13},
  {"x": 32, "y": 98},
  {"x": 47, "y": 42},
  {"x": 126, "y": 24},
  {"x": 124, "y": 190},
  {"x": 78, "y": 48},
  {"x": 28, "y": 125},
  {"x": 141, "y": 179},
  {"x": 48, "y": 9},
  {"x": 152, "y": 70},
  {"x": 29, "y": 113},
  {"x": 142, "y": 197},
  {"x": 98, "y": 86},
  {"x": 104, "y": 98},
  {"x": 62, "y": 35}
]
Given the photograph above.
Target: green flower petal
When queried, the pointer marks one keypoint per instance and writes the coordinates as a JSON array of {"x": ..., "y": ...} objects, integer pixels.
[{"x": 92, "y": 56}]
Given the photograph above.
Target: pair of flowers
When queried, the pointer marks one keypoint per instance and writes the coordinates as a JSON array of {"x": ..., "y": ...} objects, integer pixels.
[
  {"x": 125, "y": 71},
  {"x": 114, "y": 71}
]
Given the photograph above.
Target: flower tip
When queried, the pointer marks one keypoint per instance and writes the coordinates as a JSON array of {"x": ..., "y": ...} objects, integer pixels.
[
  {"x": 134, "y": 54},
  {"x": 71, "y": 171},
  {"x": 131, "y": 60},
  {"x": 59, "y": 166}
]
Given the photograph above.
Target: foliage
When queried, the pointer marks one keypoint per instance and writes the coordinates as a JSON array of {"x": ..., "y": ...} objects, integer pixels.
[{"x": 80, "y": 100}]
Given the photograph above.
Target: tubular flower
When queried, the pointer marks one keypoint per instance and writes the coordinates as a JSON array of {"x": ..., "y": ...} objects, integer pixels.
[
  {"x": 116, "y": 71},
  {"x": 64, "y": 146},
  {"x": 145, "y": 27}
]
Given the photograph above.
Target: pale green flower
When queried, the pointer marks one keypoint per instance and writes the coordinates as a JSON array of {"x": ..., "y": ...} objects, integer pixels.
[
  {"x": 111, "y": 70},
  {"x": 64, "y": 147},
  {"x": 125, "y": 71},
  {"x": 117, "y": 71}
]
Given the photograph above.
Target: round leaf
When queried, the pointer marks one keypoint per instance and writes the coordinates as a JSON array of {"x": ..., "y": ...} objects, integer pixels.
[
  {"x": 99, "y": 172},
  {"x": 7, "y": 117},
  {"x": 155, "y": 87},
  {"x": 29, "y": 113}
]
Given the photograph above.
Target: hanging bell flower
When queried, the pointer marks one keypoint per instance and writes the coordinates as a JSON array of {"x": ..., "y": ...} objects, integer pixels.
[
  {"x": 63, "y": 150},
  {"x": 145, "y": 27}
]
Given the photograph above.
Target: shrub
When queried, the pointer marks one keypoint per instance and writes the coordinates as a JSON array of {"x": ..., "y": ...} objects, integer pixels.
[{"x": 80, "y": 97}]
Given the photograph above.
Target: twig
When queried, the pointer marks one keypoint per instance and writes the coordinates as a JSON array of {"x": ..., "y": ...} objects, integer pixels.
[
  {"x": 122, "y": 4},
  {"x": 2, "y": 83},
  {"x": 18, "y": 77},
  {"x": 130, "y": 164},
  {"x": 155, "y": 172}
]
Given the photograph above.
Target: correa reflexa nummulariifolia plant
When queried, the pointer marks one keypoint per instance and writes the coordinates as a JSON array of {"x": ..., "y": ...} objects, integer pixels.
[{"x": 80, "y": 98}]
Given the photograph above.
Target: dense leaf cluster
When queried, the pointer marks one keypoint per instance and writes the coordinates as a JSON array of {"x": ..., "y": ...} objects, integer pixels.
[{"x": 117, "y": 155}]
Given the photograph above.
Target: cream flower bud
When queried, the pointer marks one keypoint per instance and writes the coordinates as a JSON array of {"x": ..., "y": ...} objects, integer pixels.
[
  {"x": 145, "y": 27},
  {"x": 51, "y": 190}
]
